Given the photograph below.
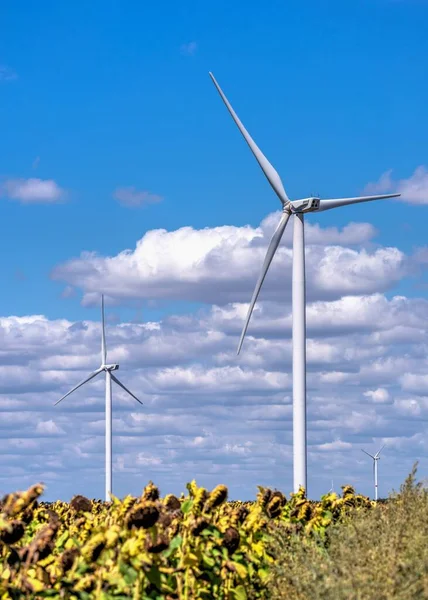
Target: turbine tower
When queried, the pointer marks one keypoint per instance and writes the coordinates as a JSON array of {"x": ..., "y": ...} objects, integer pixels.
[
  {"x": 109, "y": 376},
  {"x": 375, "y": 458},
  {"x": 297, "y": 208}
]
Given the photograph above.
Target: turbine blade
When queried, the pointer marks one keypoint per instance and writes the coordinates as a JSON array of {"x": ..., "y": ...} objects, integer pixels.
[
  {"x": 269, "y": 171},
  {"x": 123, "y": 387},
  {"x": 377, "y": 453},
  {"x": 91, "y": 376},
  {"x": 336, "y": 202},
  {"x": 103, "y": 335},
  {"x": 274, "y": 243},
  {"x": 371, "y": 456}
]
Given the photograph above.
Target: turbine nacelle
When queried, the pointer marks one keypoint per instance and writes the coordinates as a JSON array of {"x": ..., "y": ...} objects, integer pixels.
[
  {"x": 304, "y": 205},
  {"x": 110, "y": 367}
]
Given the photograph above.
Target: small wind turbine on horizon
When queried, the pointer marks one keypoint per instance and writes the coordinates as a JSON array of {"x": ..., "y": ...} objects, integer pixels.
[
  {"x": 375, "y": 458},
  {"x": 297, "y": 208},
  {"x": 109, "y": 376}
]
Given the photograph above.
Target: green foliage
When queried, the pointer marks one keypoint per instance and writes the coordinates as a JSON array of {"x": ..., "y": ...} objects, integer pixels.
[{"x": 373, "y": 554}]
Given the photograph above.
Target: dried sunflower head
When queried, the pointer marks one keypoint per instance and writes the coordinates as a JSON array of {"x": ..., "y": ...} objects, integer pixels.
[
  {"x": 143, "y": 516},
  {"x": 231, "y": 539},
  {"x": 44, "y": 549},
  {"x": 165, "y": 519},
  {"x": 158, "y": 545},
  {"x": 264, "y": 496},
  {"x": 13, "y": 557},
  {"x": 172, "y": 502},
  {"x": 348, "y": 490},
  {"x": 242, "y": 513},
  {"x": 67, "y": 558},
  {"x": 280, "y": 495},
  {"x": 274, "y": 508},
  {"x": 17, "y": 530},
  {"x": 216, "y": 497},
  {"x": 27, "y": 515},
  {"x": 201, "y": 497},
  {"x": 81, "y": 504},
  {"x": 150, "y": 492},
  {"x": 94, "y": 547},
  {"x": 198, "y": 526}
]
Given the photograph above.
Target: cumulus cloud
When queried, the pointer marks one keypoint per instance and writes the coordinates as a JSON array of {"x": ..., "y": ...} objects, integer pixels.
[
  {"x": 336, "y": 445},
  {"x": 379, "y": 396},
  {"x": 350, "y": 235},
  {"x": 221, "y": 265},
  {"x": 49, "y": 428},
  {"x": 207, "y": 413},
  {"x": 413, "y": 190},
  {"x": 131, "y": 197},
  {"x": 415, "y": 382},
  {"x": 32, "y": 191}
]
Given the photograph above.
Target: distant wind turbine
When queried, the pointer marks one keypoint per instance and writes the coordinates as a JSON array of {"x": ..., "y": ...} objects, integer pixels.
[
  {"x": 375, "y": 458},
  {"x": 297, "y": 208},
  {"x": 109, "y": 376}
]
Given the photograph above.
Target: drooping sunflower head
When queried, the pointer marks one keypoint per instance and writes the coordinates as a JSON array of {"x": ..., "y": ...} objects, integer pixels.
[
  {"x": 143, "y": 515},
  {"x": 171, "y": 502},
  {"x": 151, "y": 492},
  {"x": 81, "y": 504},
  {"x": 216, "y": 497}
]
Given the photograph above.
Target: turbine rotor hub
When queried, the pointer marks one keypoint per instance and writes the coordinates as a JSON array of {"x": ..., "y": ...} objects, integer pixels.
[
  {"x": 305, "y": 205},
  {"x": 110, "y": 367}
]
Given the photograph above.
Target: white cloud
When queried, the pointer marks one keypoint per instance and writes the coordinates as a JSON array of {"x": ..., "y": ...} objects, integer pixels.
[
  {"x": 378, "y": 396},
  {"x": 49, "y": 428},
  {"x": 32, "y": 191},
  {"x": 144, "y": 459},
  {"x": 130, "y": 196},
  {"x": 227, "y": 379},
  {"x": 413, "y": 190},
  {"x": 208, "y": 414},
  {"x": 387, "y": 321},
  {"x": 416, "y": 383},
  {"x": 351, "y": 234},
  {"x": 220, "y": 265},
  {"x": 335, "y": 446}
]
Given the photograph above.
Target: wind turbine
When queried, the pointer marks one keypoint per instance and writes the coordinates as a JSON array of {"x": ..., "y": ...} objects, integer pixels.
[
  {"x": 298, "y": 208},
  {"x": 109, "y": 376},
  {"x": 375, "y": 458}
]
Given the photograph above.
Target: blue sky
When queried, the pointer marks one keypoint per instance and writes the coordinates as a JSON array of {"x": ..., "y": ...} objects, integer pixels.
[{"x": 114, "y": 95}]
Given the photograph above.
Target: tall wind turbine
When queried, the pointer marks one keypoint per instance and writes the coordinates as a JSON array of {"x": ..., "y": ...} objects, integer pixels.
[
  {"x": 375, "y": 458},
  {"x": 297, "y": 208},
  {"x": 109, "y": 376}
]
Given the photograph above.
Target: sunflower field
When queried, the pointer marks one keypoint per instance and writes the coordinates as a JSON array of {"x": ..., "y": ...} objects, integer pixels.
[{"x": 199, "y": 546}]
